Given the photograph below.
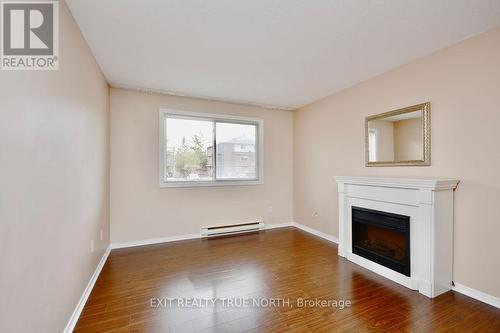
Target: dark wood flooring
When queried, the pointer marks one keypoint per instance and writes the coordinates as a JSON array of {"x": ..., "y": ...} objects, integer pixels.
[{"x": 280, "y": 263}]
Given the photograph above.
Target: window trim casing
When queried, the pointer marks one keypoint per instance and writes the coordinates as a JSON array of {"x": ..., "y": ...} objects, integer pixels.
[{"x": 163, "y": 112}]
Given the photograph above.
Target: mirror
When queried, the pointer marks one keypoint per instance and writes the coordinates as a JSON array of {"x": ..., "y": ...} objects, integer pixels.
[{"x": 400, "y": 137}]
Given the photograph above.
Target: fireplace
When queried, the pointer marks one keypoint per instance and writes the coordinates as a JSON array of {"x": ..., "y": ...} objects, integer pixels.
[
  {"x": 382, "y": 237},
  {"x": 426, "y": 202}
]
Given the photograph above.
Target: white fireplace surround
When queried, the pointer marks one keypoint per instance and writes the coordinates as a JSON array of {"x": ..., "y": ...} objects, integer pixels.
[{"x": 429, "y": 204}]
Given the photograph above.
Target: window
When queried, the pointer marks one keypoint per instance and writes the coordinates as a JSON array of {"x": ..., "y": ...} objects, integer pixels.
[{"x": 198, "y": 149}]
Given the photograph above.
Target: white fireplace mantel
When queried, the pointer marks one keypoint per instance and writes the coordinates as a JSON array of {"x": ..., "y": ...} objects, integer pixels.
[{"x": 429, "y": 204}]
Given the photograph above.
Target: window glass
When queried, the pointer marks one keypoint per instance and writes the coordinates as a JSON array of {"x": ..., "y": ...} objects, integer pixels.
[
  {"x": 188, "y": 155},
  {"x": 201, "y": 149},
  {"x": 236, "y": 151}
]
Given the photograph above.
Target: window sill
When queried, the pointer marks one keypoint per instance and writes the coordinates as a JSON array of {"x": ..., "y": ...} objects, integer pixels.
[{"x": 211, "y": 184}]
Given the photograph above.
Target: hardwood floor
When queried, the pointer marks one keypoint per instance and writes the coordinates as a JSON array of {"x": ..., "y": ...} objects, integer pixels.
[{"x": 281, "y": 263}]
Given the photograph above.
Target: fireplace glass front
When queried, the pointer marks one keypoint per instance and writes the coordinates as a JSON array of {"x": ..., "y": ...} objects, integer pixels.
[{"x": 382, "y": 237}]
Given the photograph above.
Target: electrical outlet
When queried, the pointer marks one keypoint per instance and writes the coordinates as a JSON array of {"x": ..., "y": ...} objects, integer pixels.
[
  {"x": 91, "y": 245},
  {"x": 101, "y": 234},
  {"x": 270, "y": 209},
  {"x": 315, "y": 214}
]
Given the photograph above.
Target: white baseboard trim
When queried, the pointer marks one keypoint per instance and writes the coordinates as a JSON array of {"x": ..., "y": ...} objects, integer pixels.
[
  {"x": 86, "y": 293},
  {"x": 315, "y": 232},
  {"x": 478, "y": 295},
  {"x": 152, "y": 241},
  {"x": 278, "y": 225}
]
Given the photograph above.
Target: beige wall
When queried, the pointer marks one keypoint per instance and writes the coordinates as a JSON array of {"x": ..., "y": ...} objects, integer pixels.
[
  {"x": 53, "y": 185},
  {"x": 462, "y": 83},
  {"x": 140, "y": 209},
  {"x": 408, "y": 140}
]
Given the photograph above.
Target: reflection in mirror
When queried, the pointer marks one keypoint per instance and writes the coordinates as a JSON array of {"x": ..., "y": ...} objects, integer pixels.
[{"x": 399, "y": 137}]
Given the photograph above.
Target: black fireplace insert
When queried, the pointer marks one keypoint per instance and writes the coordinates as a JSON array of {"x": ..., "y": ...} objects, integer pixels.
[{"x": 382, "y": 237}]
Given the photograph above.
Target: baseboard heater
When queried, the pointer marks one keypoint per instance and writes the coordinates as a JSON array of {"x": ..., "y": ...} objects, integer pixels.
[{"x": 232, "y": 229}]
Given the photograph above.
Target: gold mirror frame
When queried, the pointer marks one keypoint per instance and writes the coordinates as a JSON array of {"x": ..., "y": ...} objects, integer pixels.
[{"x": 426, "y": 119}]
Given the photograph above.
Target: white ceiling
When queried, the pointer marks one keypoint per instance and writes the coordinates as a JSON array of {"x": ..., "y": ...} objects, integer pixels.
[{"x": 284, "y": 53}]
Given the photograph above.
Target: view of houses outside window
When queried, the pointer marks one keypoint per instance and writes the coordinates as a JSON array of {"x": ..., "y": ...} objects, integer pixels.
[
  {"x": 190, "y": 150},
  {"x": 235, "y": 147}
]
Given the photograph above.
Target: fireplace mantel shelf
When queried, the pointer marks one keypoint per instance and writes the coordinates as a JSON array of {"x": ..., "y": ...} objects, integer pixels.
[
  {"x": 414, "y": 183},
  {"x": 428, "y": 202}
]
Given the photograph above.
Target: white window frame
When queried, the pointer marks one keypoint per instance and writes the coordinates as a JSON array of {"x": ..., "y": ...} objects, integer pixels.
[{"x": 214, "y": 117}]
